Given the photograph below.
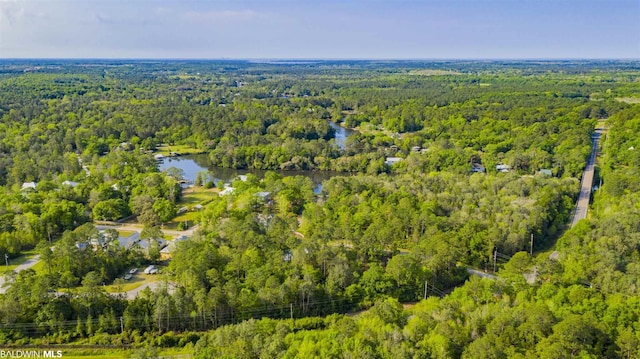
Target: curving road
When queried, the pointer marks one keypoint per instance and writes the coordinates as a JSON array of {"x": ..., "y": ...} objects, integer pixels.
[
  {"x": 587, "y": 181},
  {"x": 27, "y": 264}
]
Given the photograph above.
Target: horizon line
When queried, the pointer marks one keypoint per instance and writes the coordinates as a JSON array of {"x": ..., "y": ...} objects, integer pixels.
[{"x": 329, "y": 59}]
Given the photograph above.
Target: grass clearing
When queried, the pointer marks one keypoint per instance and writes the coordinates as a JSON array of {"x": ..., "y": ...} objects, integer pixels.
[
  {"x": 197, "y": 195},
  {"x": 179, "y": 149},
  {"x": 191, "y": 197},
  {"x": 39, "y": 267},
  {"x": 190, "y": 218},
  {"x": 628, "y": 99}
]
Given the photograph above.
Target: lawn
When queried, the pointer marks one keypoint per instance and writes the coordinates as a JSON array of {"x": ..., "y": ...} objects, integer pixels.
[
  {"x": 39, "y": 267},
  {"x": 197, "y": 195},
  {"x": 191, "y": 197},
  {"x": 185, "y": 217},
  {"x": 179, "y": 149},
  {"x": 122, "y": 233},
  {"x": 189, "y": 217}
]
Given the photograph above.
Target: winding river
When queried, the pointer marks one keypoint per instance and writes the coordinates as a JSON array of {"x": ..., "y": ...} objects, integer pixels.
[{"x": 341, "y": 134}]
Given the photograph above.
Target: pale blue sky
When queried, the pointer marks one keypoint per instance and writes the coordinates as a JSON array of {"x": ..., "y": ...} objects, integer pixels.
[{"x": 347, "y": 29}]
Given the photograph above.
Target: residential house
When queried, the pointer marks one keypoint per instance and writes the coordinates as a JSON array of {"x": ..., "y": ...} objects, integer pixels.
[
  {"x": 29, "y": 186},
  {"x": 226, "y": 191},
  {"x": 170, "y": 248},
  {"x": 392, "y": 160},
  {"x": 70, "y": 184},
  {"x": 264, "y": 196}
]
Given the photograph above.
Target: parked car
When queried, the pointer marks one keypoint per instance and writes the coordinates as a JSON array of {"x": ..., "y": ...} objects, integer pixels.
[
  {"x": 151, "y": 270},
  {"x": 133, "y": 271}
]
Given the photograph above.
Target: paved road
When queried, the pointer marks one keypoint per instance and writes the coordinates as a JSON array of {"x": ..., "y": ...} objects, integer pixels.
[
  {"x": 587, "y": 181},
  {"x": 27, "y": 264},
  {"x": 586, "y": 184},
  {"x": 582, "y": 205}
]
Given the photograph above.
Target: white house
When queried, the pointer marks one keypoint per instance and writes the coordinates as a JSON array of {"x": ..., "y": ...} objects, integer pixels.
[
  {"x": 29, "y": 185},
  {"x": 226, "y": 191},
  {"x": 70, "y": 183},
  {"x": 392, "y": 160}
]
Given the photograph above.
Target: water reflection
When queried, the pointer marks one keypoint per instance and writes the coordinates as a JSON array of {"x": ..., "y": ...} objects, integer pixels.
[
  {"x": 341, "y": 134},
  {"x": 192, "y": 165}
]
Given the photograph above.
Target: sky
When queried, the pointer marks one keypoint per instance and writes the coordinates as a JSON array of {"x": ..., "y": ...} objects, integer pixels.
[{"x": 321, "y": 29}]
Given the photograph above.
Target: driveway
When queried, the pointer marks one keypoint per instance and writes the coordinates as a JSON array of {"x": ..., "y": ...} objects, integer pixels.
[{"x": 132, "y": 294}]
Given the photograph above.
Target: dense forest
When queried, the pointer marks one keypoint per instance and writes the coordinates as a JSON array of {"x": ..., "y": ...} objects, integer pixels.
[{"x": 451, "y": 166}]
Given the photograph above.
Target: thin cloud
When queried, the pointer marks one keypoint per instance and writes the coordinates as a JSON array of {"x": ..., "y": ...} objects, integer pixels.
[
  {"x": 107, "y": 19},
  {"x": 11, "y": 10}
]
